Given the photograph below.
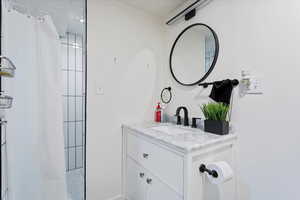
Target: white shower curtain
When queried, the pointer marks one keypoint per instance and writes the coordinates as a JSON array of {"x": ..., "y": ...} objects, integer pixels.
[{"x": 35, "y": 125}]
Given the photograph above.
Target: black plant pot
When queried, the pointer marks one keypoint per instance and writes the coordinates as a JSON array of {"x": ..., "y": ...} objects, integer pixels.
[{"x": 216, "y": 127}]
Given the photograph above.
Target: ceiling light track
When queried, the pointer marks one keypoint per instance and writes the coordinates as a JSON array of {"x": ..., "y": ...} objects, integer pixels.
[{"x": 187, "y": 11}]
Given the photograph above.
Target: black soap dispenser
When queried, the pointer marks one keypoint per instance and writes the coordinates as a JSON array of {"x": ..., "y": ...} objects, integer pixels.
[{"x": 194, "y": 122}]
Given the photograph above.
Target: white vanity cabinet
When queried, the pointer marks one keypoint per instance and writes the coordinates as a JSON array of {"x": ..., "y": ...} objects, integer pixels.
[{"x": 159, "y": 167}]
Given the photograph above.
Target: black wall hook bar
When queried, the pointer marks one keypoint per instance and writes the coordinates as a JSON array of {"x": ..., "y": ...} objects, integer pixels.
[
  {"x": 234, "y": 82},
  {"x": 212, "y": 173}
]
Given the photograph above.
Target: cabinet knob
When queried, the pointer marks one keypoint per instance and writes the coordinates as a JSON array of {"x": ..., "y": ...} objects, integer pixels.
[
  {"x": 149, "y": 180},
  {"x": 145, "y": 155},
  {"x": 142, "y": 175}
]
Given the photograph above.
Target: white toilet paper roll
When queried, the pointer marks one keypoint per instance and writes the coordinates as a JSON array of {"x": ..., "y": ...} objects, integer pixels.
[{"x": 225, "y": 172}]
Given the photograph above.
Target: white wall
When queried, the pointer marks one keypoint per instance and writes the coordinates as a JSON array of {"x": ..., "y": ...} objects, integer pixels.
[
  {"x": 262, "y": 36},
  {"x": 125, "y": 49}
]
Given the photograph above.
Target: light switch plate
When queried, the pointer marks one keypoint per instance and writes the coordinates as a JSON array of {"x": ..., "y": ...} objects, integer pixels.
[{"x": 99, "y": 91}]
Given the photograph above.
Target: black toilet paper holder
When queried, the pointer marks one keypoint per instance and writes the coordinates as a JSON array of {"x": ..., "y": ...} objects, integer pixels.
[{"x": 212, "y": 173}]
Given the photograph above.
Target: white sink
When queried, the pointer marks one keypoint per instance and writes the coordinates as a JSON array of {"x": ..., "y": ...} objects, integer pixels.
[
  {"x": 176, "y": 133},
  {"x": 171, "y": 130}
]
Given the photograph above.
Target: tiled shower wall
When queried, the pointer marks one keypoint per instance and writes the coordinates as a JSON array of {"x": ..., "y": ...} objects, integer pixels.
[{"x": 74, "y": 100}]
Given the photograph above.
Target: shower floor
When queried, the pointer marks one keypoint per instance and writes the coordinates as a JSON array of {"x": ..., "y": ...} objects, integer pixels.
[{"x": 75, "y": 184}]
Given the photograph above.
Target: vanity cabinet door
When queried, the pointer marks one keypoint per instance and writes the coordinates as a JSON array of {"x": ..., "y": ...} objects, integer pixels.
[
  {"x": 157, "y": 190},
  {"x": 136, "y": 187},
  {"x": 166, "y": 165}
]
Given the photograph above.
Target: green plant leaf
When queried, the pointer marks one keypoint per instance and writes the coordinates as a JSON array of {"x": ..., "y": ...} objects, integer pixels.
[{"x": 215, "y": 111}]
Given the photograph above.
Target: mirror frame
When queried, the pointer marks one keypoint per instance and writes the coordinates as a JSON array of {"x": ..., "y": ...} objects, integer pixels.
[{"x": 215, "y": 57}]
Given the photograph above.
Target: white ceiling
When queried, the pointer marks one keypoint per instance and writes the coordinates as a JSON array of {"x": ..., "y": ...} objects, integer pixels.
[
  {"x": 67, "y": 14},
  {"x": 156, "y": 7}
]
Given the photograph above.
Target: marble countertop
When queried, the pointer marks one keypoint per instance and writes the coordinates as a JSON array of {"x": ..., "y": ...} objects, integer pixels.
[{"x": 184, "y": 139}]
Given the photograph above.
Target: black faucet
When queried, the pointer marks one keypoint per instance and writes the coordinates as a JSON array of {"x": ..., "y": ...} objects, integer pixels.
[{"x": 186, "y": 117}]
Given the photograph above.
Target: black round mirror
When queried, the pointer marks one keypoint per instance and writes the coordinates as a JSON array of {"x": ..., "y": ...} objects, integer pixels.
[{"x": 194, "y": 54}]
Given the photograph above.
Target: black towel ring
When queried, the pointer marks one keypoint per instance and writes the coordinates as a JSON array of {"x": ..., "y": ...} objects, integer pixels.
[{"x": 168, "y": 99}]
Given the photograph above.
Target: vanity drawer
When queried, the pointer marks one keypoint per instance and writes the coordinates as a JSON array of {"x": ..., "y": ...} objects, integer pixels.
[{"x": 166, "y": 165}]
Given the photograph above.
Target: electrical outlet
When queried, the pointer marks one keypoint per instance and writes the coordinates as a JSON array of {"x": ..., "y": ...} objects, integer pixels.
[
  {"x": 255, "y": 86},
  {"x": 250, "y": 84}
]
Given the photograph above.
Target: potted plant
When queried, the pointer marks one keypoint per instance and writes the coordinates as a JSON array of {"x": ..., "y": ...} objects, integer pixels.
[{"x": 216, "y": 118}]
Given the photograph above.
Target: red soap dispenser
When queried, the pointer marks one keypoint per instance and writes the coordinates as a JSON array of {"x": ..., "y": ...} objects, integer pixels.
[{"x": 158, "y": 113}]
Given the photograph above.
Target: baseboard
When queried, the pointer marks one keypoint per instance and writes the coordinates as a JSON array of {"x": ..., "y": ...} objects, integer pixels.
[{"x": 119, "y": 197}]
